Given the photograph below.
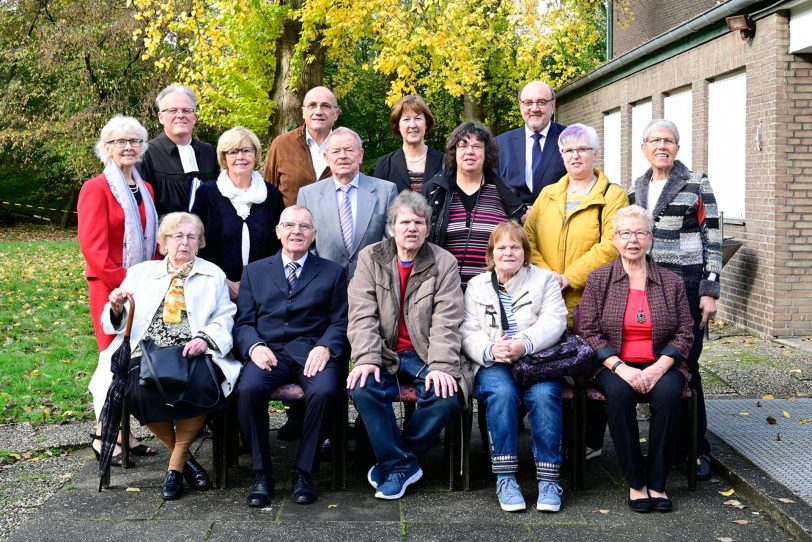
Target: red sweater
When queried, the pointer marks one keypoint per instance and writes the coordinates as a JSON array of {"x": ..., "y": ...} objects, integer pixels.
[{"x": 404, "y": 341}]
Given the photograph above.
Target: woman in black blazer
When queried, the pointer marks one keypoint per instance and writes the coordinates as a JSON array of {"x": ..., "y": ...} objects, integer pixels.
[
  {"x": 240, "y": 210},
  {"x": 415, "y": 161}
]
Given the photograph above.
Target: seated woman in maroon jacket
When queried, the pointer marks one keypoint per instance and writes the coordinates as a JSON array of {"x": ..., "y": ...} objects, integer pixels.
[{"x": 635, "y": 315}]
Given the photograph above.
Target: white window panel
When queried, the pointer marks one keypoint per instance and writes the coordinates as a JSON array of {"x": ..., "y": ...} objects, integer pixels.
[
  {"x": 679, "y": 110},
  {"x": 611, "y": 146},
  {"x": 641, "y": 115},
  {"x": 726, "y": 142}
]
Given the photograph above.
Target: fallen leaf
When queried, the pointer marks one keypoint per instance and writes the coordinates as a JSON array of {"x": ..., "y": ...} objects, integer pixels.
[
  {"x": 778, "y": 437},
  {"x": 742, "y": 521},
  {"x": 787, "y": 415},
  {"x": 804, "y": 421},
  {"x": 133, "y": 490},
  {"x": 758, "y": 404},
  {"x": 768, "y": 397},
  {"x": 732, "y": 502},
  {"x": 786, "y": 500},
  {"x": 795, "y": 371},
  {"x": 727, "y": 493},
  {"x": 724, "y": 539},
  {"x": 602, "y": 511},
  {"x": 332, "y": 506},
  {"x": 744, "y": 413},
  {"x": 771, "y": 420},
  {"x": 642, "y": 440}
]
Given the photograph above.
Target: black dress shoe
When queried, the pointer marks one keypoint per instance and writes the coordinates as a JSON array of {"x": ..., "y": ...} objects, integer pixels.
[
  {"x": 172, "y": 487},
  {"x": 641, "y": 505},
  {"x": 303, "y": 491},
  {"x": 261, "y": 492},
  {"x": 661, "y": 504},
  {"x": 195, "y": 475},
  {"x": 703, "y": 469}
]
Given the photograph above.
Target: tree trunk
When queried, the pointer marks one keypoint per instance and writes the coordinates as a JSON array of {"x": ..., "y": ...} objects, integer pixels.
[
  {"x": 68, "y": 217},
  {"x": 472, "y": 108},
  {"x": 289, "y": 101}
]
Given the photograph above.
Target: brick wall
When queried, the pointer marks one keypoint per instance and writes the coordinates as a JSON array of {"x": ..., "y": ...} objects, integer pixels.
[
  {"x": 767, "y": 286},
  {"x": 650, "y": 19}
]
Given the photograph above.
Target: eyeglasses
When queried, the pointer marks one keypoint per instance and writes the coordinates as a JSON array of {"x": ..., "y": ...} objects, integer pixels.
[
  {"x": 248, "y": 151},
  {"x": 538, "y": 103},
  {"x": 657, "y": 141},
  {"x": 290, "y": 226},
  {"x": 179, "y": 237},
  {"x": 312, "y": 106},
  {"x": 626, "y": 235},
  {"x": 121, "y": 143},
  {"x": 464, "y": 146},
  {"x": 176, "y": 110},
  {"x": 579, "y": 150}
]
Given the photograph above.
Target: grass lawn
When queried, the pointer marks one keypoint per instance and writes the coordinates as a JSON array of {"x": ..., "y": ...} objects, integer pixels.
[{"x": 47, "y": 347}]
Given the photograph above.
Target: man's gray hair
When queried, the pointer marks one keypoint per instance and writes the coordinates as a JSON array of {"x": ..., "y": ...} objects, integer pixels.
[
  {"x": 171, "y": 89},
  {"x": 344, "y": 131},
  {"x": 412, "y": 201},
  {"x": 292, "y": 208}
]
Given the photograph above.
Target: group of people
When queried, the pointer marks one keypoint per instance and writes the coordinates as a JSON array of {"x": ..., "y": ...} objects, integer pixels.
[{"x": 440, "y": 270}]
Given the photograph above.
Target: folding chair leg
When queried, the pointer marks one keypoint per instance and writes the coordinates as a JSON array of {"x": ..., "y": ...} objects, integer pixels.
[
  {"x": 466, "y": 446},
  {"x": 219, "y": 450},
  {"x": 339, "y": 454},
  {"x": 692, "y": 441},
  {"x": 580, "y": 437}
]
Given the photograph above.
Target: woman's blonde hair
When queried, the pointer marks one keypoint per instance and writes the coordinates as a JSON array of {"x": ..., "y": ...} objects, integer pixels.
[{"x": 231, "y": 139}]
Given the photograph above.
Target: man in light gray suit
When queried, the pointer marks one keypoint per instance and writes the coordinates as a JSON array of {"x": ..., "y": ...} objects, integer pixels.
[{"x": 349, "y": 208}]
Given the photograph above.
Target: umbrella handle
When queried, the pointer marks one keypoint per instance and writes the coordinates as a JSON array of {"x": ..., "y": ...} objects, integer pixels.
[{"x": 130, "y": 314}]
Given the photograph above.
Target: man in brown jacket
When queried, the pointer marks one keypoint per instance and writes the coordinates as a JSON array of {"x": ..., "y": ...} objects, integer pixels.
[
  {"x": 296, "y": 159},
  {"x": 405, "y": 312}
]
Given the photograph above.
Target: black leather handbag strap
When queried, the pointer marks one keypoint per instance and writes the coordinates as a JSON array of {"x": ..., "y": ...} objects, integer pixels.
[{"x": 502, "y": 314}]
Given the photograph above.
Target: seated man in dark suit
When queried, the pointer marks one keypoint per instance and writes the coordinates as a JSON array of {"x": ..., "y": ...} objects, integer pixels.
[
  {"x": 529, "y": 158},
  {"x": 291, "y": 326}
]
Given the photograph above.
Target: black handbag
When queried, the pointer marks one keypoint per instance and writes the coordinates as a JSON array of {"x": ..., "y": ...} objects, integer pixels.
[
  {"x": 166, "y": 368},
  {"x": 163, "y": 367},
  {"x": 571, "y": 356}
]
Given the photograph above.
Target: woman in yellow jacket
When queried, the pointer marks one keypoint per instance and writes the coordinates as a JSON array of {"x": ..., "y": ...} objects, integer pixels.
[{"x": 570, "y": 224}]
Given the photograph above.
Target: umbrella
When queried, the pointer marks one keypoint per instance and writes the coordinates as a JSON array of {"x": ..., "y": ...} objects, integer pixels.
[{"x": 111, "y": 413}]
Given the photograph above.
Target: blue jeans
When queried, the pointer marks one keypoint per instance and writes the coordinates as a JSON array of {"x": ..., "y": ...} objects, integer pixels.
[
  {"x": 397, "y": 451},
  {"x": 496, "y": 387}
]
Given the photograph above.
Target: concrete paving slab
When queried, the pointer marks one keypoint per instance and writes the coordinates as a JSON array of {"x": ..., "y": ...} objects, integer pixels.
[
  {"x": 780, "y": 448},
  {"x": 71, "y": 530},
  {"x": 107, "y": 505},
  {"x": 430, "y": 532},
  {"x": 342, "y": 506},
  {"x": 306, "y": 531}
]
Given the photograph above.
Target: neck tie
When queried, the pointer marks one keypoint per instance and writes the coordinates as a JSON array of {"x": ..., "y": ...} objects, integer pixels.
[
  {"x": 536, "y": 163},
  {"x": 292, "y": 267},
  {"x": 345, "y": 214}
]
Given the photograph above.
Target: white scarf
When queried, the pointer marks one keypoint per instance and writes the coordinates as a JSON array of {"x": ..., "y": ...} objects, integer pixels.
[
  {"x": 139, "y": 243},
  {"x": 242, "y": 201}
]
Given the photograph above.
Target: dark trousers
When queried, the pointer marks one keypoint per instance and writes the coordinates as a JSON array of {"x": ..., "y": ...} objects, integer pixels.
[
  {"x": 703, "y": 446},
  {"x": 254, "y": 392},
  {"x": 396, "y": 451},
  {"x": 665, "y": 403}
]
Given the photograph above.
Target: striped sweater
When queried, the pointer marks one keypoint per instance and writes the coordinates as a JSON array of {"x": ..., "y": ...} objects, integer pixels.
[{"x": 687, "y": 239}]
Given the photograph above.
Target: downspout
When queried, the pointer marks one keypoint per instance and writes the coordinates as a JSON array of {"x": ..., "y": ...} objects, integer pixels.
[
  {"x": 700, "y": 22},
  {"x": 610, "y": 28}
]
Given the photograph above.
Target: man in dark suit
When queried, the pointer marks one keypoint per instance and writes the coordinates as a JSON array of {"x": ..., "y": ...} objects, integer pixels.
[
  {"x": 349, "y": 207},
  {"x": 529, "y": 158},
  {"x": 291, "y": 326}
]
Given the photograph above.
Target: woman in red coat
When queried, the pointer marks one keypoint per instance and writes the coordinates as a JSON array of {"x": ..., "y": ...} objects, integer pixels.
[{"x": 117, "y": 220}]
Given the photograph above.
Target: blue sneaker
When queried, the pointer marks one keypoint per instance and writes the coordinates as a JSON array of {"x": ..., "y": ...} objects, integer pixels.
[
  {"x": 375, "y": 476},
  {"x": 549, "y": 497},
  {"x": 509, "y": 494},
  {"x": 396, "y": 483}
]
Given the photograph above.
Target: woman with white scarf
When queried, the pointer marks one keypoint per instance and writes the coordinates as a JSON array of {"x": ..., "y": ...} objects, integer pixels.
[
  {"x": 240, "y": 210},
  {"x": 117, "y": 224}
]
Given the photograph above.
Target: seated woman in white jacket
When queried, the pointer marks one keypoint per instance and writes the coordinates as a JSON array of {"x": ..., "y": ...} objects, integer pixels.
[
  {"x": 536, "y": 317},
  {"x": 180, "y": 300}
]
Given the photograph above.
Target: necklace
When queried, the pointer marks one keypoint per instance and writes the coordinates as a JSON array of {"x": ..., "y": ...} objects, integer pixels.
[
  {"x": 419, "y": 158},
  {"x": 580, "y": 191},
  {"x": 641, "y": 316}
]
